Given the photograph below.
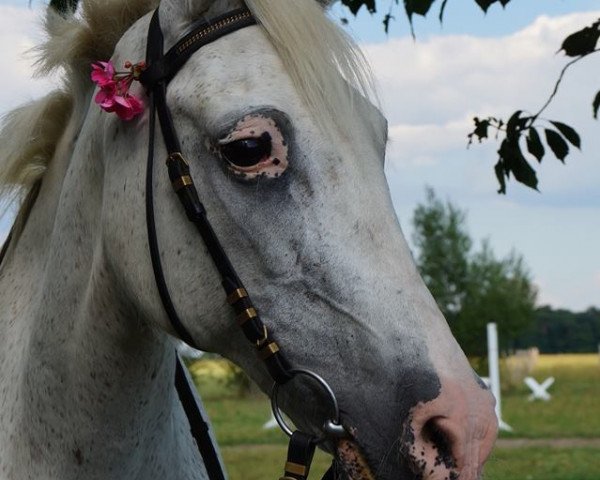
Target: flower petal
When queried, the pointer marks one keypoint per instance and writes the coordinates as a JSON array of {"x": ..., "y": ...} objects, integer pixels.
[
  {"x": 104, "y": 99},
  {"x": 114, "y": 95},
  {"x": 128, "y": 107},
  {"x": 103, "y": 73}
]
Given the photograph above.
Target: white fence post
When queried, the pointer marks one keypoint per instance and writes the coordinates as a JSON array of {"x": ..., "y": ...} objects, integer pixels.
[{"x": 494, "y": 372}]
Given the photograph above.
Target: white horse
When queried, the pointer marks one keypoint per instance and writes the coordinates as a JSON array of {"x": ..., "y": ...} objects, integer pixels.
[{"x": 86, "y": 360}]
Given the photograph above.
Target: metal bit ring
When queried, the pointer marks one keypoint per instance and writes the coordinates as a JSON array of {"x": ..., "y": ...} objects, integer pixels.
[{"x": 331, "y": 428}]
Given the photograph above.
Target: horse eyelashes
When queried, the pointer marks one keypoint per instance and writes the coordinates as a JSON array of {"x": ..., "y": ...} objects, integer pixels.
[{"x": 248, "y": 152}]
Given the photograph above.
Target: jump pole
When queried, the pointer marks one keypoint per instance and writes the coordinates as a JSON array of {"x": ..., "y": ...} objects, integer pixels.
[{"x": 494, "y": 373}]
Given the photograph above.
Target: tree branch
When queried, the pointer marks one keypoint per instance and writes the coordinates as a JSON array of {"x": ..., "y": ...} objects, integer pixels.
[{"x": 558, "y": 82}]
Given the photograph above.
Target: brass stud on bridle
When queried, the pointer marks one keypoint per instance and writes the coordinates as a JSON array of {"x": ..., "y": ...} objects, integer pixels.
[
  {"x": 176, "y": 157},
  {"x": 246, "y": 315},
  {"x": 236, "y": 296}
]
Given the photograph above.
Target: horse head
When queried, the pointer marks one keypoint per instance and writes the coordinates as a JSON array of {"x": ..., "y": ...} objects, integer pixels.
[{"x": 287, "y": 153}]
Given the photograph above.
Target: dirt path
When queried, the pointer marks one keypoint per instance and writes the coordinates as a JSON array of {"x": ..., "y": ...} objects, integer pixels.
[
  {"x": 548, "y": 442},
  {"x": 507, "y": 443}
]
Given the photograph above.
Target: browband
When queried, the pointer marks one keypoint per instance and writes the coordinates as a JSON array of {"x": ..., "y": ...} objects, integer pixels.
[{"x": 164, "y": 67}]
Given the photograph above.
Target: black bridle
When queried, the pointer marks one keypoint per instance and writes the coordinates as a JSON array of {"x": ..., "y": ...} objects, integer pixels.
[{"x": 161, "y": 68}]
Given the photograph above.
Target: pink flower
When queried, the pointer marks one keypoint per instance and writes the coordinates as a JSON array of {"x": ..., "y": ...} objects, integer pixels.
[
  {"x": 103, "y": 73},
  {"x": 114, "y": 95},
  {"x": 125, "y": 105},
  {"x": 128, "y": 107},
  {"x": 105, "y": 97}
]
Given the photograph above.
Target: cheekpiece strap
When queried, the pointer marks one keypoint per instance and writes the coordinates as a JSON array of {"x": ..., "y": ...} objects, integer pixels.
[
  {"x": 161, "y": 68},
  {"x": 300, "y": 456}
]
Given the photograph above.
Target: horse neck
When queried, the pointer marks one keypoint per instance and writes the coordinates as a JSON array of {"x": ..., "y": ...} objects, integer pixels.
[{"x": 86, "y": 385}]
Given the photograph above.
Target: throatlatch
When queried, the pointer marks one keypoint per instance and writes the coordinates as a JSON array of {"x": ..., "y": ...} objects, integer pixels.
[{"x": 161, "y": 68}]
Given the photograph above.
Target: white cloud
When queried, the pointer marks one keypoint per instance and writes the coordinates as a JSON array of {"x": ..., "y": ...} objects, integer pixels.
[
  {"x": 408, "y": 142},
  {"x": 19, "y": 31},
  {"x": 441, "y": 77},
  {"x": 430, "y": 92}
]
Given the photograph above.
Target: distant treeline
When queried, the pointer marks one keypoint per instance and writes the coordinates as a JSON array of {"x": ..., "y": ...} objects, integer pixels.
[{"x": 562, "y": 331}]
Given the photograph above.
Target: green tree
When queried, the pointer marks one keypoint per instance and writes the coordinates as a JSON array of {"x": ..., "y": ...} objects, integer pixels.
[
  {"x": 563, "y": 331},
  {"x": 500, "y": 291},
  {"x": 439, "y": 233},
  {"x": 471, "y": 288}
]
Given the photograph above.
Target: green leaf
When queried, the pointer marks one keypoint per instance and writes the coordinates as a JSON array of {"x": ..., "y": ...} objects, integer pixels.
[
  {"x": 582, "y": 42},
  {"x": 484, "y": 4},
  {"x": 512, "y": 121},
  {"x": 534, "y": 144},
  {"x": 355, "y": 5},
  {"x": 500, "y": 175},
  {"x": 386, "y": 22},
  {"x": 596, "y": 105},
  {"x": 515, "y": 162},
  {"x": 516, "y": 124},
  {"x": 420, "y": 7},
  {"x": 569, "y": 133},
  {"x": 557, "y": 144},
  {"x": 442, "y": 10},
  {"x": 481, "y": 128}
]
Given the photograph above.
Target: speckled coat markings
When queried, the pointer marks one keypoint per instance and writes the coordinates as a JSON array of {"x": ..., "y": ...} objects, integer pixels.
[{"x": 86, "y": 360}]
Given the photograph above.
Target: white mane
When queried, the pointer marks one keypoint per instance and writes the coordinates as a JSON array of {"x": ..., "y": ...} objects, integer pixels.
[{"x": 298, "y": 30}]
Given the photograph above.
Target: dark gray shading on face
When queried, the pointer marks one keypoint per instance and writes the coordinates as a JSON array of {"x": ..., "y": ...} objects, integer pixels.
[
  {"x": 375, "y": 408},
  {"x": 294, "y": 288},
  {"x": 400, "y": 382},
  {"x": 387, "y": 449}
]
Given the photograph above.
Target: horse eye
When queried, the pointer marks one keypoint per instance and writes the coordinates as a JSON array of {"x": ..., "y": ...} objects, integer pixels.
[{"x": 247, "y": 152}]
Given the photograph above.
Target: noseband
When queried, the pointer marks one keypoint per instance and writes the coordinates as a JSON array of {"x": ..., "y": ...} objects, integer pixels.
[{"x": 161, "y": 68}]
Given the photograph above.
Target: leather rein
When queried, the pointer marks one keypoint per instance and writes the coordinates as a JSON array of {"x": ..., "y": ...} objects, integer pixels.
[{"x": 161, "y": 68}]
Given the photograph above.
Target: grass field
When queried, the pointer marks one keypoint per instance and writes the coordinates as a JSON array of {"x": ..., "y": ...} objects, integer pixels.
[
  {"x": 266, "y": 462},
  {"x": 252, "y": 453},
  {"x": 573, "y": 411}
]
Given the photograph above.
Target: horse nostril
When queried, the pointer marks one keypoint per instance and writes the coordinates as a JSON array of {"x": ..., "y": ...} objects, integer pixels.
[
  {"x": 430, "y": 448},
  {"x": 450, "y": 436},
  {"x": 439, "y": 442},
  {"x": 433, "y": 434}
]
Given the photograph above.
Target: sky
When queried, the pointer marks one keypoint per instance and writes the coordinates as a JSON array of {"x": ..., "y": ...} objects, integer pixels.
[{"x": 430, "y": 88}]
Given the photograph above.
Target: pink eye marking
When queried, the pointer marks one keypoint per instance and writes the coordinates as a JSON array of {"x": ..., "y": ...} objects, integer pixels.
[{"x": 255, "y": 126}]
